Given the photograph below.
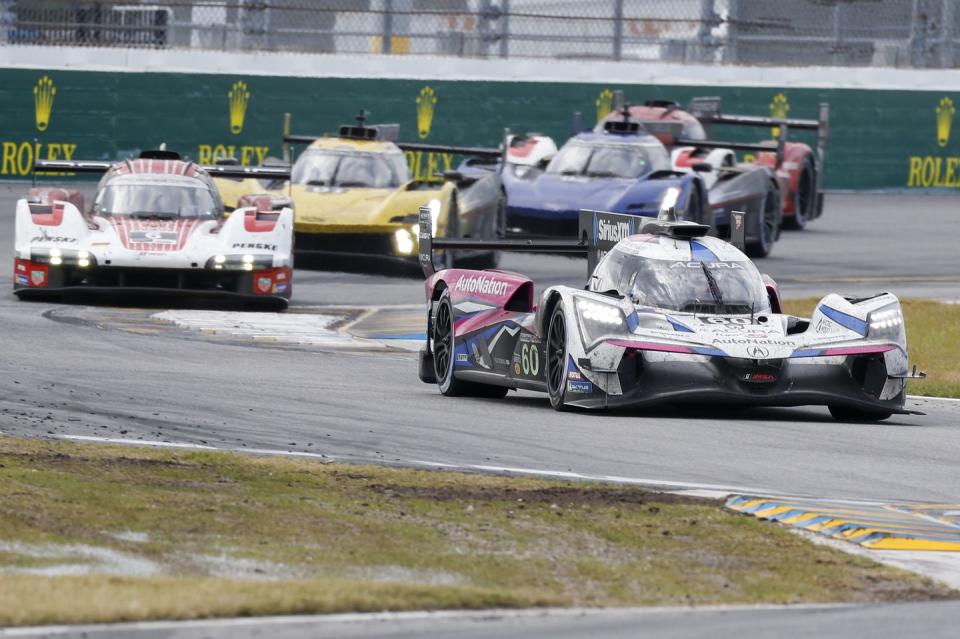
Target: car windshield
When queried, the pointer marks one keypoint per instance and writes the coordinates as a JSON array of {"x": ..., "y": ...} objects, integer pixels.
[
  {"x": 684, "y": 286},
  {"x": 350, "y": 169},
  {"x": 608, "y": 160},
  {"x": 156, "y": 201}
]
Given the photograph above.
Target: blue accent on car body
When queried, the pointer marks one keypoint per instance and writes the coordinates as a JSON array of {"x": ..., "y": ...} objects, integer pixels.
[
  {"x": 708, "y": 350},
  {"x": 843, "y": 319},
  {"x": 700, "y": 253},
  {"x": 678, "y": 326},
  {"x": 807, "y": 352}
]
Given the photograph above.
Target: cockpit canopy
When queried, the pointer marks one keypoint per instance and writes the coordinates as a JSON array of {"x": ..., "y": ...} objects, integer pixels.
[
  {"x": 348, "y": 167},
  {"x": 606, "y": 158},
  {"x": 685, "y": 286},
  {"x": 155, "y": 196}
]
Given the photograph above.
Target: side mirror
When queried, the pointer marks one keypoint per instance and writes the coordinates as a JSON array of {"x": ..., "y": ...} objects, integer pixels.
[
  {"x": 222, "y": 161},
  {"x": 453, "y": 176},
  {"x": 702, "y": 167},
  {"x": 542, "y": 164}
]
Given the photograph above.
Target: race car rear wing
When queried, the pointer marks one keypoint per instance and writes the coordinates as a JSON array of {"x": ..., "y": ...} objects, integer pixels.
[
  {"x": 599, "y": 232},
  {"x": 214, "y": 170},
  {"x": 708, "y": 111},
  {"x": 387, "y": 133}
]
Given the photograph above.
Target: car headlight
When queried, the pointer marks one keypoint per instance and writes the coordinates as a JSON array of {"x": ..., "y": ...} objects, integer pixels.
[
  {"x": 598, "y": 319},
  {"x": 62, "y": 257},
  {"x": 403, "y": 239},
  {"x": 886, "y": 323},
  {"x": 240, "y": 262}
]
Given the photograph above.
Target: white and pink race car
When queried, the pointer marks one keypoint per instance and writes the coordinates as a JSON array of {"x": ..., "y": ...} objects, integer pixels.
[{"x": 156, "y": 226}]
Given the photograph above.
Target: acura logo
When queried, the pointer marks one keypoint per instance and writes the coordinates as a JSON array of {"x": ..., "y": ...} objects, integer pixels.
[{"x": 758, "y": 352}]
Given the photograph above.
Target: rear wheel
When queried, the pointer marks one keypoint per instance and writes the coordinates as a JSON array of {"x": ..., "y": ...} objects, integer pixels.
[
  {"x": 805, "y": 200},
  {"x": 556, "y": 368},
  {"x": 847, "y": 414},
  {"x": 443, "y": 342},
  {"x": 768, "y": 226}
]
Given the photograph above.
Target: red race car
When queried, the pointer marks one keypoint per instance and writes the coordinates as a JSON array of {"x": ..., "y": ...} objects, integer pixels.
[{"x": 685, "y": 133}]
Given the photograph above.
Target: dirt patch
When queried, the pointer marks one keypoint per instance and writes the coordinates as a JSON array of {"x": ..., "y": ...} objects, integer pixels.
[{"x": 560, "y": 495}]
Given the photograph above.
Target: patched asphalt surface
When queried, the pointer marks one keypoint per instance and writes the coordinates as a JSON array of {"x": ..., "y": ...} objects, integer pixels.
[{"x": 74, "y": 379}]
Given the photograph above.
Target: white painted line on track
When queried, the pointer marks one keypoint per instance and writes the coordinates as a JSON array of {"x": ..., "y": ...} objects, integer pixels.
[{"x": 418, "y": 615}]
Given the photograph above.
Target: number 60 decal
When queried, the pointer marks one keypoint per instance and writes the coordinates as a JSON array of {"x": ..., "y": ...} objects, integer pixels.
[{"x": 530, "y": 359}]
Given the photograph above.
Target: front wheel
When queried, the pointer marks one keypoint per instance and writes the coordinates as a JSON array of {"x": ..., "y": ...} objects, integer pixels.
[
  {"x": 847, "y": 414},
  {"x": 556, "y": 368}
]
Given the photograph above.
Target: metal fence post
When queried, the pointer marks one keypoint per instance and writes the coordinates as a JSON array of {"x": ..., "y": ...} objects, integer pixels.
[
  {"x": 617, "y": 29},
  {"x": 505, "y": 29},
  {"x": 387, "y": 26},
  {"x": 946, "y": 35}
]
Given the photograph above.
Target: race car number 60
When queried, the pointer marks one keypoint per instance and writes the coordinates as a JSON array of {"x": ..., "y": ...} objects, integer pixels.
[{"x": 530, "y": 359}]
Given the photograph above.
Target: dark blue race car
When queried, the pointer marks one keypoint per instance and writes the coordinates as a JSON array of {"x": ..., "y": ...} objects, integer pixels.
[{"x": 622, "y": 169}]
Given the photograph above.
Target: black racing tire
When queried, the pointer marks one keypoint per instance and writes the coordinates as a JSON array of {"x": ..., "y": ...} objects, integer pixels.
[
  {"x": 768, "y": 225},
  {"x": 848, "y": 414},
  {"x": 556, "y": 357},
  {"x": 442, "y": 344},
  {"x": 805, "y": 199}
]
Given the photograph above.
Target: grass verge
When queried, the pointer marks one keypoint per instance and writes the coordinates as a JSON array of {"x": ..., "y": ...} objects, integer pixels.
[
  {"x": 92, "y": 533},
  {"x": 933, "y": 342}
]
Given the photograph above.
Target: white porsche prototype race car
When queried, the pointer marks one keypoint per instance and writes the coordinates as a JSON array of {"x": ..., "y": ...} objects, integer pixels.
[{"x": 156, "y": 226}]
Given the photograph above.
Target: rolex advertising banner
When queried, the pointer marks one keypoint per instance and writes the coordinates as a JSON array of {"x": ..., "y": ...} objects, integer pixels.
[{"x": 878, "y": 139}]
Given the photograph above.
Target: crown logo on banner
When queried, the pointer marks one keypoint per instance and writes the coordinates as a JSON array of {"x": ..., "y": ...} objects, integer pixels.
[
  {"x": 237, "y": 98},
  {"x": 43, "y": 95},
  {"x": 945, "y": 111},
  {"x": 779, "y": 107},
  {"x": 426, "y": 102},
  {"x": 604, "y": 104}
]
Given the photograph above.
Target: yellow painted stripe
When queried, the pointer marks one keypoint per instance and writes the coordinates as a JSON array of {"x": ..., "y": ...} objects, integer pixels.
[{"x": 904, "y": 543}]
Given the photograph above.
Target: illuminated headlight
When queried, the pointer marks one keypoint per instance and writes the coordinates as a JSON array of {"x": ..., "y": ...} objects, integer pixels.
[
  {"x": 404, "y": 241},
  {"x": 55, "y": 252},
  {"x": 598, "y": 319},
  {"x": 56, "y": 260},
  {"x": 669, "y": 199},
  {"x": 83, "y": 262},
  {"x": 244, "y": 262},
  {"x": 886, "y": 323}
]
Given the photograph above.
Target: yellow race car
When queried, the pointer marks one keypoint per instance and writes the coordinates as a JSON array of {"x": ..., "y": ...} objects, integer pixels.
[{"x": 352, "y": 194}]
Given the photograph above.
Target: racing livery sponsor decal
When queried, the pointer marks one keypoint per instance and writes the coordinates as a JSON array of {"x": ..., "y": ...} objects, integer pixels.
[
  {"x": 23, "y": 280},
  {"x": 264, "y": 284},
  {"x": 612, "y": 231},
  {"x": 54, "y": 239},
  {"x": 255, "y": 245},
  {"x": 715, "y": 265},
  {"x": 462, "y": 357},
  {"x": 154, "y": 237},
  {"x": 480, "y": 284},
  {"x": 162, "y": 236},
  {"x": 579, "y": 387}
]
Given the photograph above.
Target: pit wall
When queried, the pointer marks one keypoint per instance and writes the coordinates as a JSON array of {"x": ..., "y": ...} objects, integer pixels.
[{"x": 892, "y": 137}]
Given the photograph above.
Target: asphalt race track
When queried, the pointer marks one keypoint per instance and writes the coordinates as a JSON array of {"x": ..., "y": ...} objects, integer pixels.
[{"x": 63, "y": 379}]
